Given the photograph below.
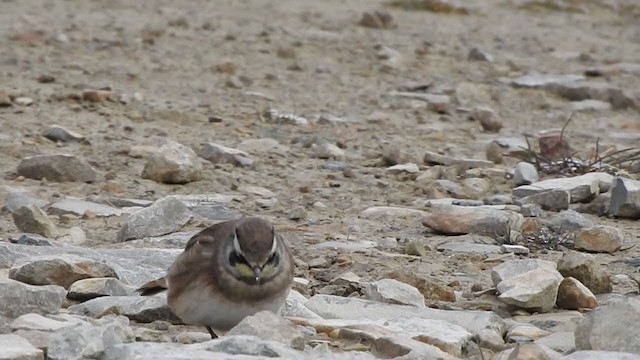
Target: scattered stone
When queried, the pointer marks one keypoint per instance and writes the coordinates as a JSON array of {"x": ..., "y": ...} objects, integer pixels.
[
  {"x": 257, "y": 190},
  {"x": 294, "y": 307},
  {"x": 58, "y": 168},
  {"x": 377, "y": 20},
  {"x": 17, "y": 199},
  {"x": 488, "y": 119},
  {"x": 62, "y": 270},
  {"x": 58, "y": 133},
  {"x": 18, "y": 298},
  {"x": 15, "y": 347},
  {"x": 33, "y": 321},
  {"x": 23, "y": 101},
  {"x": 165, "y": 216},
  {"x": 525, "y": 173},
  {"x": 582, "y": 188},
  {"x": 79, "y": 207},
  {"x": 585, "y": 269},
  {"x": 394, "y": 292},
  {"x": 218, "y": 154},
  {"x": 31, "y": 240},
  {"x": 5, "y": 99},
  {"x": 269, "y": 326},
  {"x": 31, "y": 219},
  {"x": 516, "y": 249},
  {"x": 173, "y": 163},
  {"x": 599, "y": 238},
  {"x": 387, "y": 243},
  {"x": 625, "y": 198},
  {"x": 573, "y": 295},
  {"x": 517, "y": 267},
  {"x": 410, "y": 168},
  {"x": 550, "y": 200},
  {"x": 224, "y": 348},
  {"x": 600, "y": 355},
  {"x": 485, "y": 324},
  {"x": 479, "y": 55},
  {"x": 431, "y": 158},
  {"x": 87, "y": 289},
  {"x": 529, "y": 351},
  {"x": 536, "y": 289},
  {"x": 89, "y": 341},
  {"x": 284, "y": 118},
  {"x": 328, "y": 151},
  {"x": 611, "y": 327},
  {"x": 430, "y": 288},
  {"x": 415, "y": 248},
  {"x": 435, "y": 102},
  {"x": 144, "y": 309},
  {"x": 568, "y": 220},
  {"x": 562, "y": 341},
  {"x": 459, "y": 220},
  {"x": 298, "y": 213},
  {"x": 380, "y": 212},
  {"x": 449, "y": 338},
  {"x": 539, "y": 81},
  {"x": 98, "y": 96}
]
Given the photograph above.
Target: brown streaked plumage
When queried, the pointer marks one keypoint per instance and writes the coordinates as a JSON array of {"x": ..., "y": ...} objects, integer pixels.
[{"x": 226, "y": 272}]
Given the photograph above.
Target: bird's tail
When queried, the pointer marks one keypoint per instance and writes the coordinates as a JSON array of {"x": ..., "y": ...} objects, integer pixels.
[{"x": 153, "y": 287}]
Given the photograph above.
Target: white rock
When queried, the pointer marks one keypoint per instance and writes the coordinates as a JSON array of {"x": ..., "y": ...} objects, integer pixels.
[
  {"x": 328, "y": 151},
  {"x": 581, "y": 188},
  {"x": 164, "y": 216},
  {"x": 394, "y": 292},
  {"x": 410, "y": 168},
  {"x": 14, "y": 347},
  {"x": 512, "y": 268},
  {"x": 599, "y": 238},
  {"x": 38, "y": 322},
  {"x": 535, "y": 289},
  {"x": 173, "y": 163},
  {"x": 525, "y": 173},
  {"x": 612, "y": 327}
]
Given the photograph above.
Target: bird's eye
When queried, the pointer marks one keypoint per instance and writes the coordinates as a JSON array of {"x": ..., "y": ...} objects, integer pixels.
[
  {"x": 273, "y": 259},
  {"x": 236, "y": 258}
]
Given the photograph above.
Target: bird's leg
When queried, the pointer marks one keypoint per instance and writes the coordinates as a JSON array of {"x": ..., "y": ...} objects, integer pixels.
[{"x": 213, "y": 335}]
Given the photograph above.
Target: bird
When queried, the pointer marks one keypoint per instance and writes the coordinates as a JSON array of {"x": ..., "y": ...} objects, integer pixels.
[{"x": 227, "y": 271}]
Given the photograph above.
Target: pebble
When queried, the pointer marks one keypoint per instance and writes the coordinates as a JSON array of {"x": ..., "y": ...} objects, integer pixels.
[
  {"x": 488, "y": 118},
  {"x": 164, "y": 216},
  {"x": 573, "y": 295},
  {"x": 585, "y": 269},
  {"x": 516, "y": 249},
  {"x": 257, "y": 190},
  {"x": 59, "y": 133},
  {"x": 62, "y": 270},
  {"x": 58, "y": 168},
  {"x": 328, "y": 151},
  {"x": 87, "y": 289},
  {"x": 144, "y": 309},
  {"x": 380, "y": 212},
  {"x": 23, "y": 101},
  {"x": 525, "y": 173},
  {"x": 218, "y": 154},
  {"x": 625, "y": 198},
  {"x": 479, "y": 55},
  {"x": 387, "y": 243},
  {"x": 173, "y": 163},
  {"x": 31, "y": 219},
  {"x": 298, "y": 213},
  {"x": 377, "y": 20},
  {"x": 599, "y": 238},
  {"x": 410, "y": 168},
  {"x": 431, "y": 158},
  {"x": 265, "y": 145},
  {"x": 394, "y": 292},
  {"x": 430, "y": 287}
]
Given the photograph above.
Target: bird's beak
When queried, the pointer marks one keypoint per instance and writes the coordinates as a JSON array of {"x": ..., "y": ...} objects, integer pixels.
[{"x": 257, "y": 270}]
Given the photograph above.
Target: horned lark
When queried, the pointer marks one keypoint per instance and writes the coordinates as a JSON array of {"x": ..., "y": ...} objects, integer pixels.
[{"x": 227, "y": 272}]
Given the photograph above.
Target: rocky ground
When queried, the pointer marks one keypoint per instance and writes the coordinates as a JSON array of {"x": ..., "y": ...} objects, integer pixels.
[{"x": 386, "y": 140}]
